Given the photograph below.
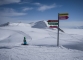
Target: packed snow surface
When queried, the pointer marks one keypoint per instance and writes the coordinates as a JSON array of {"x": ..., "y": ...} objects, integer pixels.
[{"x": 42, "y": 43}]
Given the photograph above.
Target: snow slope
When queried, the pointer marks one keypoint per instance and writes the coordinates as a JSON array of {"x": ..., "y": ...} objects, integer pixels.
[
  {"x": 42, "y": 43},
  {"x": 40, "y": 53}
]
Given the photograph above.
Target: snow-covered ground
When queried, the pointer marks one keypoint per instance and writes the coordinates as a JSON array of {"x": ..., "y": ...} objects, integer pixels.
[{"x": 42, "y": 43}]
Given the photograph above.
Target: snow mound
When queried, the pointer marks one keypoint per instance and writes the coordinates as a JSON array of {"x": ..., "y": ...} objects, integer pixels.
[{"x": 40, "y": 24}]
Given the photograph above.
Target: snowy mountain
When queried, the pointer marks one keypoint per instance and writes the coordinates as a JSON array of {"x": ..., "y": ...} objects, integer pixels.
[
  {"x": 40, "y": 24},
  {"x": 19, "y": 24},
  {"x": 73, "y": 27},
  {"x": 77, "y": 27},
  {"x": 42, "y": 42},
  {"x": 15, "y": 24},
  {"x": 5, "y": 24}
]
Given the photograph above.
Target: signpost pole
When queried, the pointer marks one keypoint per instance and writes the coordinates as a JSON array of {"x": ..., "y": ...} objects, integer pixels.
[
  {"x": 58, "y": 32},
  {"x": 61, "y": 16}
]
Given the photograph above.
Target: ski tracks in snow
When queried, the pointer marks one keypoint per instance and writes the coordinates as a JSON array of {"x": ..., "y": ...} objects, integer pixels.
[
  {"x": 24, "y": 34},
  {"x": 20, "y": 32}
]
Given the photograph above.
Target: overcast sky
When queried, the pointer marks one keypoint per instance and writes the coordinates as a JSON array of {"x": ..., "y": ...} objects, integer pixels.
[{"x": 32, "y": 10}]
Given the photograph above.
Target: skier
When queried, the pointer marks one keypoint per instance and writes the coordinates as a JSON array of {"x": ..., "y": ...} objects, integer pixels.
[{"x": 25, "y": 43}]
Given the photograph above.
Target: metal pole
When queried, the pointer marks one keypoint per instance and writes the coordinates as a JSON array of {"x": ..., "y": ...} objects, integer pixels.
[{"x": 58, "y": 32}]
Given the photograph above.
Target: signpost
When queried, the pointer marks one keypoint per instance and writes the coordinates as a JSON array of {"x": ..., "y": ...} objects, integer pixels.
[{"x": 53, "y": 23}]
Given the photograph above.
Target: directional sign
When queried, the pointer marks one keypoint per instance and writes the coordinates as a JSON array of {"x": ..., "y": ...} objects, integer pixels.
[
  {"x": 52, "y": 21},
  {"x": 63, "y": 14},
  {"x": 53, "y": 26},
  {"x": 63, "y": 17}
]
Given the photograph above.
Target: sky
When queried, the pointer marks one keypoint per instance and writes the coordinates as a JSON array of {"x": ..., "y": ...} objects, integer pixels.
[{"x": 36, "y": 10}]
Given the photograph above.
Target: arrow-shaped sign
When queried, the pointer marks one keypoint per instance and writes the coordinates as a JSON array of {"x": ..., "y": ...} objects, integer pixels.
[
  {"x": 63, "y": 17},
  {"x": 52, "y": 21}
]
